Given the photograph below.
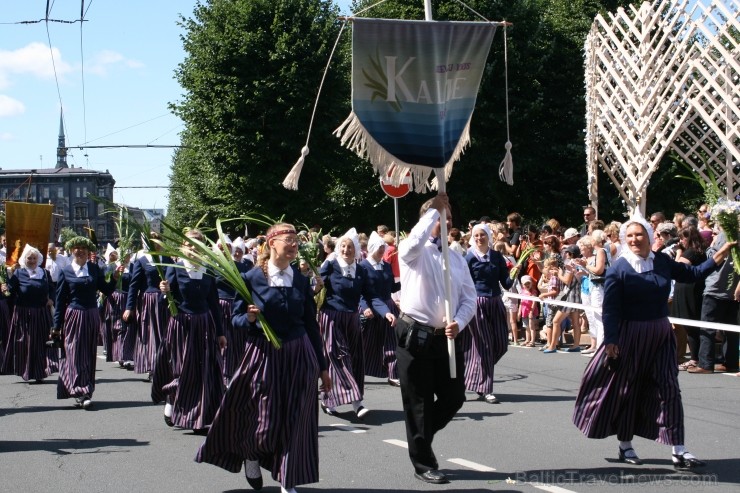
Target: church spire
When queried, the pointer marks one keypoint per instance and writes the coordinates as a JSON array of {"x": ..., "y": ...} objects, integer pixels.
[{"x": 61, "y": 144}]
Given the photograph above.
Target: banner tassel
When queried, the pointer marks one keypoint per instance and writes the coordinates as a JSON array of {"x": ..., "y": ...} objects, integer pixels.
[
  {"x": 506, "y": 169},
  {"x": 291, "y": 181}
]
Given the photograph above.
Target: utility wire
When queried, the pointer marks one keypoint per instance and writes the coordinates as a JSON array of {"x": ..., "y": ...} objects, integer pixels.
[{"x": 82, "y": 71}]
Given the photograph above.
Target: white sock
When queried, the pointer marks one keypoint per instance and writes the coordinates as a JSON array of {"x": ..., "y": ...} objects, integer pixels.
[
  {"x": 283, "y": 490},
  {"x": 168, "y": 410},
  {"x": 356, "y": 405},
  {"x": 625, "y": 445},
  {"x": 679, "y": 449}
]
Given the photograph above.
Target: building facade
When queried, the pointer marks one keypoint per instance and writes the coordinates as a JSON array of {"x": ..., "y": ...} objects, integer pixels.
[{"x": 69, "y": 189}]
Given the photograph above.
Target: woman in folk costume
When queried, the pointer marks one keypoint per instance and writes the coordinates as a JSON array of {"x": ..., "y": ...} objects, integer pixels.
[
  {"x": 106, "y": 327},
  {"x": 235, "y": 338},
  {"x": 485, "y": 340},
  {"x": 187, "y": 374},
  {"x": 124, "y": 334},
  {"x": 630, "y": 387},
  {"x": 6, "y": 345},
  {"x": 146, "y": 307},
  {"x": 77, "y": 318},
  {"x": 32, "y": 293},
  {"x": 339, "y": 320},
  {"x": 275, "y": 424},
  {"x": 378, "y": 337}
]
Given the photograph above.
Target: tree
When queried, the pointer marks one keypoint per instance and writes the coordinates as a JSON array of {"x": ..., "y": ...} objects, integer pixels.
[
  {"x": 250, "y": 77},
  {"x": 66, "y": 234}
]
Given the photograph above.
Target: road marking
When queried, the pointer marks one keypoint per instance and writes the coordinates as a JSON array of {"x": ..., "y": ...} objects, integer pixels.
[
  {"x": 551, "y": 488},
  {"x": 398, "y": 443},
  {"x": 351, "y": 429},
  {"x": 471, "y": 465}
]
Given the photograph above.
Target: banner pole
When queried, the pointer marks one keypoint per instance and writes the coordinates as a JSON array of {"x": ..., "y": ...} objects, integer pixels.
[
  {"x": 395, "y": 214},
  {"x": 442, "y": 188}
]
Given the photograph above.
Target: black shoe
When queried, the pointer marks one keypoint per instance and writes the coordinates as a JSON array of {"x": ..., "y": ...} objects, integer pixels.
[
  {"x": 434, "y": 477},
  {"x": 683, "y": 463},
  {"x": 200, "y": 431},
  {"x": 252, "y": 468},
  {"x": 394, "y": 382},
  {"x": 328, "y": 410},
  {"x": 629, "y": 456},
  {"x": 168, "y": 421}
]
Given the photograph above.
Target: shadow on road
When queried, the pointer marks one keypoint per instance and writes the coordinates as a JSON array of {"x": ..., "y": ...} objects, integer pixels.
[{"x": 63, "y": 446}]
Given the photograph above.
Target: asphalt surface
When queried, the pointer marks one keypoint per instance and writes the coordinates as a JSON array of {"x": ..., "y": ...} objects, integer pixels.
[{"x": 526, "y": 443}]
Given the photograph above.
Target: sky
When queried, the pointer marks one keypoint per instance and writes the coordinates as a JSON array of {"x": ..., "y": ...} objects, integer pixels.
[{"x": 114, "y": 77}]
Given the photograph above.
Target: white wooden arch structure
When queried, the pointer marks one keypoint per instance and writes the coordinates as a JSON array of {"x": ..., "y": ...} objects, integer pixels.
[{"x": 663, "y": 77}]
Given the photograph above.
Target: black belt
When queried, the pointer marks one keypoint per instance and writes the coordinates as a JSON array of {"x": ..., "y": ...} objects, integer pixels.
[{"x": 426, "y": 328}]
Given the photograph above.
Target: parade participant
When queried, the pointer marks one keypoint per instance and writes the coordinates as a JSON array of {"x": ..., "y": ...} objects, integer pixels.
[
  {"x": 345, "y": 281},
  {"x": 485, "y": 340},
  {"x": 77, "y": 321},
  {"x": 235, "y": 339},
  {"x": 187, "y": 374},
  {"x": 32, "y": 293},
  {"x": 378, "y": 337},
  {"x": 124, "y": 334},
  {"x": 423, "y": 362},
  {"x": 146, "y": 307},
  {"x": 106, "y": 326},
  {"x": 630, "y": 387},
  {"x": 274, "y": 424}
]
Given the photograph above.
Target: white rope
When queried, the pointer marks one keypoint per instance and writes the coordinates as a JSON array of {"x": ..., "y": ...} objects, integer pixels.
[
  {"x": 580, "y": 306},
  {"x": 368, "y": 8},
  {"x": 291, "y": 181},
  {"x": 506, "y": 168}
]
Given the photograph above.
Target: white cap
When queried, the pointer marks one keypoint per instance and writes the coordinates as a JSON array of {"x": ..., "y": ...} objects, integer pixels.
[
  {"x": 570, "y": 233},
  {"x": 526, "y": 279}
]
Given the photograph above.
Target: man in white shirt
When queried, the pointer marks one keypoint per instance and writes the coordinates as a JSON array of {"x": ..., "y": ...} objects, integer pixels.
[
  {"x": 55, "y": 262},
  {"x": 423, "y": 364}
]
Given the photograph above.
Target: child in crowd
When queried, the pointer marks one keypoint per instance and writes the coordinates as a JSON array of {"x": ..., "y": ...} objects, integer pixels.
[
  {"x": 511, "y": 304},
  {"x": 552, "y": 287},
  {"x": 528, "y": 311}
]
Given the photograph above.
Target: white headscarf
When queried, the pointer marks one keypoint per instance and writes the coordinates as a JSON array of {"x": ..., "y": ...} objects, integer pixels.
[
  {"x": 351, "y": 235},
  {"x": 636, "y": 218},
  {"x": 238, "y": 243},
  {"x": 108, "y": 250},
  {"x": 228, "y": 243},
  {"x": 638, "y": 263},
  {"x": 487, "y": 231},
  {"x": 374, "y": 243},
  {"x": 28, "y": 250}
]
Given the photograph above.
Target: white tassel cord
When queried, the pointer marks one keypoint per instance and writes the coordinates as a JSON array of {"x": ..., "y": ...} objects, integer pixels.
[
  {"x": 291, "y": 181},
  {"x": 506, "y": 169},
  {"x": 354, "y": 136}
]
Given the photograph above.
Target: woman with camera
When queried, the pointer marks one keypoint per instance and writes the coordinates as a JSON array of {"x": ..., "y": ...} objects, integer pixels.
[
  {"x": 77, "y": 321},
  {"x": 31, "y": 292}
]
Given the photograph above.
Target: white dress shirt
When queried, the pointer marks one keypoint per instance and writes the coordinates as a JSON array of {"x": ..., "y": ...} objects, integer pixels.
[
  {"x": 80, "y": 271},
  {"x": 55, "y": 266},
  {"x": 422, "y": 279},
  {"x": 279, "y": 277},
  {"x": 348, "y": 270},
  {"x": 638, "y": 263}
]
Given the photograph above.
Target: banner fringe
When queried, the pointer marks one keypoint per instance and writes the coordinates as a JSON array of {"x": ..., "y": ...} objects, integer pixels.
[
  {"x": 506, "y": 169},
  {"x": 354, "y": 136}
]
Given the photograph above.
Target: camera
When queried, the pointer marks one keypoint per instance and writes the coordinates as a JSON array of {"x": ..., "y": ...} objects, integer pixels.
[{"x": 55, "y": 339}]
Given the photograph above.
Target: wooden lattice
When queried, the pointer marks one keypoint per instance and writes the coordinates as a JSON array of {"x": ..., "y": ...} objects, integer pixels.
[{"x": 663, "y": 78}]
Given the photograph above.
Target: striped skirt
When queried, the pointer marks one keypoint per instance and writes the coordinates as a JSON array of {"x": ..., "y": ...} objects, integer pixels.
[
  {"x": 77, "y": 366},
  {"x": 152, "y": 318},
  {"x": 641, "y": 397},
  {"x": 106, "y": 330},
  {"x": 187, "y": 373},
  {"x": 379, "y": 342},
  {"x": 30, "y": 330},
  {"x": 7, "y": 347},
  {"x": 270, "y": 414},
  {"x": 484, "y": 341},
  {"x": 235, "y": 341},
  {"x": 345, "y": 356},
  {"x": 124, "y": 336}
]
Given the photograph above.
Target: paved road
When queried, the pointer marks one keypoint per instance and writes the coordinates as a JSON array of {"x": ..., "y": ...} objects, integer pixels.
[{"x": 527, "y": 443}]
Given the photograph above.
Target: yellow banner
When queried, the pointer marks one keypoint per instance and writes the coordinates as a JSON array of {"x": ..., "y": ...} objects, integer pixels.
[{"x": 26, "y": 223}]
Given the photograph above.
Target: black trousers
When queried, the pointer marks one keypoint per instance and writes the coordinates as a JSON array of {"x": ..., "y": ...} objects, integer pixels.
[
  {"x": 722, "y": 311},
  {"x": 430, "y": 397}
]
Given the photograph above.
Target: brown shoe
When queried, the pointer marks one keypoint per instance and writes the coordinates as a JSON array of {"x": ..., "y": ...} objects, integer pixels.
[
  {"x": 699, "y": 369},
  {"x": 724, "y": 369}
]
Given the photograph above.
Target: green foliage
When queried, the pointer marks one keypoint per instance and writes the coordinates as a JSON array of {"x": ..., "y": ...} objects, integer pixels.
[{"x": 66, "y": 234}]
